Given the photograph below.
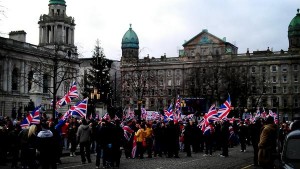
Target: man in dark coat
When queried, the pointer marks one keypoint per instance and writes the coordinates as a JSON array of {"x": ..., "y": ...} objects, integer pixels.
[{"x": 224, "y": 138}]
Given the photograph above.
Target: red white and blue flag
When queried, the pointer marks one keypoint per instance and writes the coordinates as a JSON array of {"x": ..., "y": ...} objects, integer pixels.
[
  {"x": 72, "y": 94},
  {"x": 169, "y": 113},
  {"x": 224, "y": 109},
  {"x": 79, "y": 109},
  {"x": 211, "y": 115},
  {"x": 32, "y": 118}
]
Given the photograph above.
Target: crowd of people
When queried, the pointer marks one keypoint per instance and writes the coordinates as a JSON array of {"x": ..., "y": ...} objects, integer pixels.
[{"x": 41, "y": 145}]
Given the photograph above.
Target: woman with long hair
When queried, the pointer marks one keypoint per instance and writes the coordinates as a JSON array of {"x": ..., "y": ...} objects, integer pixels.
[{"x": 32, "y": 132}]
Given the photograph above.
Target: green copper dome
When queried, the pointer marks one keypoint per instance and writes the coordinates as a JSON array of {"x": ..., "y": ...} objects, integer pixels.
[
  {"x": 130, "y": 39},
  {"x": 295, "y": 23},
  {"x": 57, "y": 2}
]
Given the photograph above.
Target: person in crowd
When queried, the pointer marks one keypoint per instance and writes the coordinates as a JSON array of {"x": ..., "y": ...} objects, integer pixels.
[
  {"x": 188, "y": 137},
  {"x": 15, "y": 145},
  {"x": 149, "y": 139},
  {"x": 99, "y": 143},
  {"x": 172, "y": 139},
  {"x": 208, "y": 139},
  {"x": 242, "y": 132},
  {"x": 23, "y": 137},
  {"x": 93, "y": 125},
  {"x": 64, "y": 135},
  {"x": 128, "y": 138},
  {"x": 140, "y": 136},
  {"x": 118, "y": 134},
  {"x": 46, "y": 144},
  {"x": 295, "y": 125},
  {"x": 255, "y": 129},
  {"x": 56, "y": 131},
  {"x": 158, "y": 135},
  {"x": 267, "y": 144},
  {"x": 72, "y": 138},
  {"x": 84, "y": 136},
  {"x": 3, "y": 143},
  {"x": 32, "y": 140},
  {"x": 107, "y": 137},
  {"x": 224, "y": 138}
]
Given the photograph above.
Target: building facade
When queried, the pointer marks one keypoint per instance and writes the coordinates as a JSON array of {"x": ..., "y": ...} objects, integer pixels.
[
  {"x": 209, "y": 68},
  {"x": 38, "y": 72}
]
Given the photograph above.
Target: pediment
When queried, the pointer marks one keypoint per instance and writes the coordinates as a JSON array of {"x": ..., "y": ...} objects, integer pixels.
[{"x": 204, "y": 38}]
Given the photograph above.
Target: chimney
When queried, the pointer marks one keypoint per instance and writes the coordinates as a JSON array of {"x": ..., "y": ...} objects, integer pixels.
[{"x": 18, "y": 35}]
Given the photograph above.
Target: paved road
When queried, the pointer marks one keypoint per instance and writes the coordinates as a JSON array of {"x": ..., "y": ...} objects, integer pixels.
[{"x": 236, "y": 160}]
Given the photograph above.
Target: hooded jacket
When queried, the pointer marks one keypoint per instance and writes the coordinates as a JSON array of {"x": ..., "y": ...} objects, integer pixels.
[{"x": 84, "y": 133}]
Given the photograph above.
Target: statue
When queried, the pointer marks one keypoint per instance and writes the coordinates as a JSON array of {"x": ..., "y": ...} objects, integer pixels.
[{"x": 34, "y": 84}]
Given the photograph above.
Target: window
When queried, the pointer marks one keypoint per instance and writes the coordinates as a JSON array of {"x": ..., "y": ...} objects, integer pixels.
[
  {"x": 169, "y": 82},
  {"x": 275, "y": 102},
  {"x": 264, "y": 78},
  {"x": 15, "y": 79},
  {"x": 253, "y": 69},
  {"x": 295, "y": 67},
  {"x": 274, "y": 68},
  {"x": 203, "y": 70},
  {"x": 284, "y": 103},
  {"x": 161, "y": 82},
  {"x": 296, "y": 89},
  {"x": 170, "y": 92},
  {"x": 30, "y": 77},
  {"x": 284, "y": 89},
  {"x": 45, "y": 83},
  {"x": 274, "y": 89},
  {"x": 284, "y": 78},
  {"x": 263, "y": 69},
  {"x": 274, "y": 79},
  {"x": 296, "y": 102},
  {"x": 169, "y": 73},
  {"x": 295, "y": 78},
  {"x": 178, "y": 72},
  {"x": 178, "y": 82},
  {"x": 284, "y": 68}
]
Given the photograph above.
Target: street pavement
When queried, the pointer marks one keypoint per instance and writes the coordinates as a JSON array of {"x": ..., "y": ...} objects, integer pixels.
[{"x": 235, "y": 160}]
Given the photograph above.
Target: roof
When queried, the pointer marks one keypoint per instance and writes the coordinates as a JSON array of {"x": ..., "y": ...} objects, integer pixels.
[
  {"x": 130, "y": 39},
  {"x": 57, "y": 2}
]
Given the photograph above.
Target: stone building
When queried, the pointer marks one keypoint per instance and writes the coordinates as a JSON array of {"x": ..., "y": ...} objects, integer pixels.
[
  {"x": 38, "y": 72},
  {"x": 209, "y": 68}
]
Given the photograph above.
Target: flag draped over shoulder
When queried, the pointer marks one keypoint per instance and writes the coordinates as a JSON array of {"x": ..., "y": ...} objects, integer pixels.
[
  {"x": 224, "y": 109},
  {"x": 72, "y": 94},
  {"x": 32, "y": 118},
  {"x": 134, "y": 146}
]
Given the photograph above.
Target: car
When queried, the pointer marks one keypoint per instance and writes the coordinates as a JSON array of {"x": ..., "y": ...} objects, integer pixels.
[{"x": 290, "y": 157}]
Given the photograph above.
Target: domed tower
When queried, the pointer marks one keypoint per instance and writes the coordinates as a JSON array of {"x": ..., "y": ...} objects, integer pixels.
[
  {"x": 130, "y": 46},
  {"x": 57, "y": 28},
  {"x": 294, "y": 34}
]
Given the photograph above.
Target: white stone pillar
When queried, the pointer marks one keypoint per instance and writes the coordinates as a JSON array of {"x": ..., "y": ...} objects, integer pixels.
[
  {"x": 5, "y": 74},
  {"x": 22, "y": 77}
]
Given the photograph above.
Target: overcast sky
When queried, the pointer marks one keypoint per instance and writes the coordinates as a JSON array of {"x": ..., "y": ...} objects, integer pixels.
[{"x": 161, "y": 25}]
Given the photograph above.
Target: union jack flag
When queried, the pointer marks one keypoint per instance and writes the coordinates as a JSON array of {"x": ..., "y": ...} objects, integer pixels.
[
  {"x": 169, "y": 113},
  {"x": 274, "y": 115},
  {"x": 224, "y": 109},
  {"x": 211, "y": 115},
  {"x": 32, "y": 118},
  {"x": 79, "y": 109},
  {"x": 72, "y": 94},
  {"x": 144, "y": 113}
]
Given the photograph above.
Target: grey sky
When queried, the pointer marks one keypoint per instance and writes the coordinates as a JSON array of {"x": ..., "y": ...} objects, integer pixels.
[{"x": 161, "y": 25}]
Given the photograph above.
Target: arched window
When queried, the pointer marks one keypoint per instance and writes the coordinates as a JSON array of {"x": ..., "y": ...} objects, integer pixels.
[
  {"x": 15, "y": 79},
  {"x": 45, "y": 83},
  {"x": 30, "y": 77}
]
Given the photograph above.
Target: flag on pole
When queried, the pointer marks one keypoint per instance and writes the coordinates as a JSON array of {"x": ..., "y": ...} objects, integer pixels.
[
  {"x": 224, "y": 109},
  {"x": 72, "y": 94},
  {"x": 80, "y": 108},
  {"x": 32, "y": 118}
]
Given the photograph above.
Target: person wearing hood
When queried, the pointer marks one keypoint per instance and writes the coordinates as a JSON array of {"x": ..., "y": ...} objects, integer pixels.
[
  {"x": 45, "y": 143},
  {"x": 84, "y": 137}
]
